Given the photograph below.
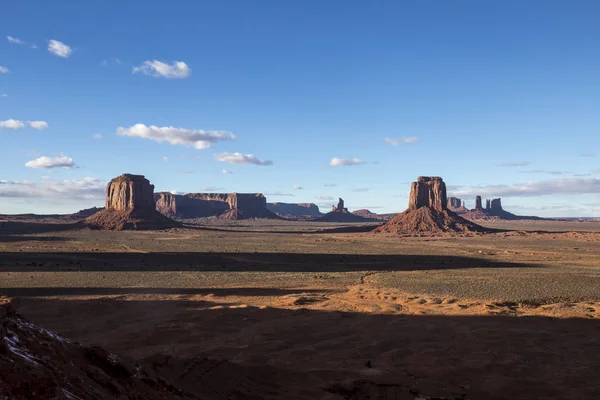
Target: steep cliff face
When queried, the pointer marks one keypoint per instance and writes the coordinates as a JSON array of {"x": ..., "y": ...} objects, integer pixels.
[
  {"x": 223, "y": 205},
  {"x": 129, "y": 205},
  {"x": 427, "y": 213},
  {"x": 129, "y": 191},
  {"x": 478, "y": 204},
  {"x": 428, "y": 192},
  {"x": 293, "y": 210}
]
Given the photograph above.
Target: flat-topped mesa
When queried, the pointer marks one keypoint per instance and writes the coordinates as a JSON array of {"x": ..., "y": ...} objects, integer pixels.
[
  {"x": 495, "y": 205},
  {"x": 487, "y": 204},
  {"x": 128, "y": 192},
  {"x": 428, "y": 192},
  {"x": 454, "y": 202},
  {"x": 478, "y": 204}
]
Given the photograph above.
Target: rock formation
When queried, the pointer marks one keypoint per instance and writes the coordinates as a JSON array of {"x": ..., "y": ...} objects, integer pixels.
[
  {"x": 495, "y": 205},
  {"x": 428, "y": 192},
  {"x": 428, "y": 213},
  {"x": 373, "y": 216},
  {"x": 293, "y": 210},
  {"x": 222, "y": 205},
  {"x": 493, "y": 211},
  {"x": 340, "y": 213},
  {"x": 129, "y": 205},
  {"x": 478, "y": 204},
  {"x": 454, "y": 202}
]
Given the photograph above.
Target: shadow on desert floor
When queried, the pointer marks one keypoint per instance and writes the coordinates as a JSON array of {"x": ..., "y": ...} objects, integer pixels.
[
  {"x": 237, "y": 261},
  {"x": 302, "y": 353}
]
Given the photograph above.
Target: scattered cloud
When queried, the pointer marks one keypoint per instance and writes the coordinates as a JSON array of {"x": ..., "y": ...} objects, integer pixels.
[
  {"x": 584, "y": 174},
  {"x": 186, "y": 171},
  {"x": 196, "y": 138},
  {"x": 3, "y": 95},
  {"x": 596, "y": 171},
  {"x": 59, "y": 48},
  {"x": 570, "y": 186},
  {"x": 3, "y": 70},
  {"x": 411, "y": 140},
  {"x": 323, "y": 198},
  {"x": 165, "y": 159},
  {"x": 226, "y": 172},
  {"x": 39, "y": 125},
  {"x": 391, "y": 141},
  {"x": 238, "y": 158},
  {"x": 97, "y": 136},
  {"x": 541, "y": 171},
  {"x": 587, "y": 155},
  {"x": 279, "y": 194},
  {"x": 330, "y": 185},
  {"x": 12, "y": 39},
  {"x": 51, "y": 162},
  {"x": 77, "y": 189},
  {"x": 112, "y": 61},
  {"x": 515, "y": 164},
  {"x": 359, "y": 190},
  {"x": 212, "y": 189},
  {"x": 336, "y": 162},
  {"x": 12, "y": 124},
  {"x": 297, "y": 187},
  {"x": 158, "y": 69}
]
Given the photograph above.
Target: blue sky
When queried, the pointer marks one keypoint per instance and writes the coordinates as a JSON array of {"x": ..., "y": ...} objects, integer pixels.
[{"x": 498, "y": 98}]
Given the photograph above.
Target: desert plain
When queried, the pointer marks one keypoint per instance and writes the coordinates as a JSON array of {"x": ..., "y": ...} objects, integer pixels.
[{"x": 271, "y": 309}]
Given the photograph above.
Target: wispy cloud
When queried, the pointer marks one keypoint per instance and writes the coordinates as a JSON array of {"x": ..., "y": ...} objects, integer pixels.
[
  {"x": 297, "y": 187},
  {"x": 59, "y": 48},
  {"x": 283, "y": 194},
  {"x": 165, "y": 159},
  {"x": 39, "y": 125},
  {"x": 51, "y": 162},
  {"x": 571, "y": 186},
  {"x": 159, "y": 69},
  {"x": 226, "y": 172},
  {"x": 12, "y": 39},
  {"x": 12, "y": 124},
  {"x": 66, "y": 190},
  {"x": 359, "y": 190},
  {"x": 336, "y": 162},
  {"x": 111, "y": 61},
  {"x": 330, "y": 185},
  {"x": 515, "y": 164},
  {"x": 404, "y": 140},
  {"x": 97, "y": 136},
  {"x": 186, "y": 171},
  {"x": 3, "y": 70},
  {"x": 3, "y": 95},
  {"x": 212, "y": 189},
  {"x": 199, "y": 139},
  {"x": 238, "y": 158},
  {"x": 587, "y": 154},
  {"x": 541, "y": 171},
  {"x": 323, "y": 198}
]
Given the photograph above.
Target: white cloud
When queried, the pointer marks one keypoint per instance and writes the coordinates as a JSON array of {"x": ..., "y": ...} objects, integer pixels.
[
  {"x": 226, "y": 172},
  {"x": 323, "y": 197},
  {"x": 59, "y": 48},
  {"x": 3, "y": 95},
  {"x": 186, "y": 171},
  {"x": 336, "y": 162},
  {"x": 411, "y": 140},
  {"x": 571, "y": 186},
  {"x": 165, "y": 159},
  {"x": 297, "y": 187},
  {"x": 97, "y": 136},
  {"x": 279, "y": 194},
  {"x": 51, "y": 162},
  {"x": 15, "y": 40},
  {"x": 12, "y": 124},
  {"x": 238, "y": 158},
  {"x": 391, "y": 141},
  {"x": 158, "y": 69},
  {"x": 112, "y": 61},
  {"x": 199, "y": 139},
  {"x": 39, "y": 125},
  {"x": 77, "y": 189},
  {"x": 3, "y": 70},
  {"x": 515, "y": 164}
]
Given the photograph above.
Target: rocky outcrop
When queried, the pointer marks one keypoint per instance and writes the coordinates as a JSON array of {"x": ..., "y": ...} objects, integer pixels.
[
  {"x": 478, "y": 204},
  {"x": 368, "y": 214},
  {"x": 36, "y": 363},
  {"x": 428, "y": 192},
  {"x": 427, "y": 212},
  {"x": 295, "y": 210},
  {"x": 454, "y": 202},
  {"x": 339, "y": 213},
  {"x": 128, "y": 192},
  {"x": 495, "y": 205},
  {"x": 222, "y": 205},
  {"x": 493, "y": 211},
  {"x": 129, "y": 206}
]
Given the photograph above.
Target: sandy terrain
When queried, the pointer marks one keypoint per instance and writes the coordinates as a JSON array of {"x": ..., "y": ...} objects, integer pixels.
[{"x": 307, "y": 311}]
